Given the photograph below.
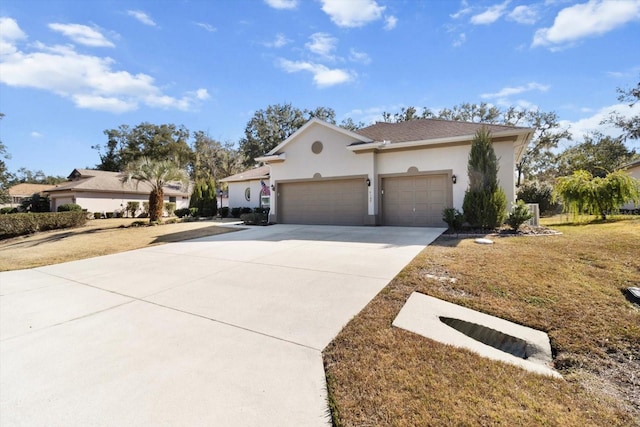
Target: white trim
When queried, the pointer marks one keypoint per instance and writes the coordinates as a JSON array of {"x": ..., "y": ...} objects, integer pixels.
[{"x": 311, "y": 122}]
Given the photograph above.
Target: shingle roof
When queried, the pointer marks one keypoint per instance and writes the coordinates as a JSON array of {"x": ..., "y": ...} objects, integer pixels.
[
  {"x": 102, "y": 181},
  {"x": 424, "y": 129},
  {"x": 28, "y": 189},
  {"x": 255, "y": 173}
]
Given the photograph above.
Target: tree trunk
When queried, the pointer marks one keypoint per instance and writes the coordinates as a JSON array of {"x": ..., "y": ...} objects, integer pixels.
[{"x": 156, "y": 199}]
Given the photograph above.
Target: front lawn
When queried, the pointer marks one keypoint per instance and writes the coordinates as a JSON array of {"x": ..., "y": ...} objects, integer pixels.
[{"x": 570, "y": 286}]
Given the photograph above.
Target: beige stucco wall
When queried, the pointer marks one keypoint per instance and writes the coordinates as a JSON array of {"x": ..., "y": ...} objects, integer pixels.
[
  {"x": 336, "y": 160},
  {"x": 635, "y": 173},
  {"x": 333, "y": 161},
  {"x": 237, "y": 194},
  {"x": 106, "y": 202}
]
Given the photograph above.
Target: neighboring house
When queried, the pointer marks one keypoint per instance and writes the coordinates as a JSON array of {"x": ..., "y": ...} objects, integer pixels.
[
  {"x": 634, "y": 170},
  {"x": 401, "y": 174},
  {"x": 249, "y": 188},
  {"x": 19, "y": 192},
  {"x": 100, "y": 191}
]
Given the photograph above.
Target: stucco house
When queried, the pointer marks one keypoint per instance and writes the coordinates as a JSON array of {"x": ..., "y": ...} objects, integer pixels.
[
  {"x": 401, "y": 174},
  {"x": 633, "y": 169},
  {"x": 250, "y": 188},
  {"x": 101, "y": 191},
  {"x": 19, "y": 192}
]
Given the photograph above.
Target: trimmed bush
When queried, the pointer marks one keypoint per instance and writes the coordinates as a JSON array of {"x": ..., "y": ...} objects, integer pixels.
[
  {"x": 518, "y": 215},
  {"x": 26, "y": 223},
  {"x": 8, "y": 210},
  {"x": 235, "y": 212},
  {"x": 69, "y": 207},
  {"x": 254, "y": 218},
  {"x": 97, "y": 215},
  {"x": 132, "y": 208},
  {"x": 109, "y": 214},
  {"x": 170, "y": 207},
  {"x": 181, "y": 213},
  {"x": 224, "y": 212},
  {"x": 454, "y": 218}
]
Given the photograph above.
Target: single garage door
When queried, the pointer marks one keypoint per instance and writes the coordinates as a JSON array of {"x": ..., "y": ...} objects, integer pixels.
[
  {"x": 415, "y": 200},
  {"x": 333, "y": 202}
]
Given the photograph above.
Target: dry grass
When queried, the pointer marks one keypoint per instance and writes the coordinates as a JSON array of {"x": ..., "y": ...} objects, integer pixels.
[
  {"x": 569, "y": 286},
  {"x": 98, "y": 237}
]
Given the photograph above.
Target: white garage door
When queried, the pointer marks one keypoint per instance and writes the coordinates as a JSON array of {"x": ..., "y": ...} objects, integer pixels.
[
  {"x": 334, "y": 202},
  {"x": 415, "y": 200}
]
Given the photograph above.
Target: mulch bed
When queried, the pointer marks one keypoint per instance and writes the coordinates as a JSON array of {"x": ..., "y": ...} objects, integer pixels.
[{"x": 523, "y": 231}]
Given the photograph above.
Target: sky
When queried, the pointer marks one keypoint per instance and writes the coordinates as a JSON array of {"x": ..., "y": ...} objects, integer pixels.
[{"x": 69, "y": 70}]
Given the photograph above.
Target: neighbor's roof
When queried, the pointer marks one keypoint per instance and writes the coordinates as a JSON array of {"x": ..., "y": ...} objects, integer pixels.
[
  {"x": 110, "y": 182},
  {"x": 633, "y": 164},
  {"x": 28, "y": 189},
  {"x": 425, "y": 129},
  {"x": 252, "y": 174}
]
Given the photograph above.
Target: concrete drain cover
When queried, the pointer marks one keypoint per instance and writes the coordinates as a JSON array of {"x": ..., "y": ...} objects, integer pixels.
[{"x": 489, "y": 336}]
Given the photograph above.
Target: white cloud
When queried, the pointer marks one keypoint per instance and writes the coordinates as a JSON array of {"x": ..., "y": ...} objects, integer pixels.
[
  {"x": 491, "y": 15},
  {"x": 465, "y": 10},
  {"x": 361, "y": 57},
  {"x": 595, "y": 17},
  {"x": 89, "y": 81},
  {"x": 142, "y": 17},
  {"x": 322, "y": 44},
  {"x": 527, "y": 15},
  {"x": 509, "y": 91},
  {"x": 282, "y": 4},
  {"x": 462, "y": 37},
  {"x": 36, "y": 134},
  {"x": 585, "y": 125},
  {"x": 10, "y": 33},
  {"x": 82, "y": 34},
  {"x": 390, "y": 22},
  {"x": 208, "y": 27},
  {"x": 278, "y": 42},
  {"x": 322, "y": 75},
  {"x": 352, "y": 13}
]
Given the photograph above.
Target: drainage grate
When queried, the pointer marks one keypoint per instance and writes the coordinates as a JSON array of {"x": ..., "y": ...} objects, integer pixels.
[{"x": 488, "y": 336}]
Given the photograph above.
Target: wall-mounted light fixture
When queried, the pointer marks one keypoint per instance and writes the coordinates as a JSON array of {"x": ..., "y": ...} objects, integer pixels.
[
  {"x": 368, "y": 182},
  {"x": 273, "y": 187},
  {"x": 454, "y": 179}
]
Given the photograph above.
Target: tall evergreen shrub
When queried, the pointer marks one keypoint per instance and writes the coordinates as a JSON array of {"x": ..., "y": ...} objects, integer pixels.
[{"x": 485, "y": 204}]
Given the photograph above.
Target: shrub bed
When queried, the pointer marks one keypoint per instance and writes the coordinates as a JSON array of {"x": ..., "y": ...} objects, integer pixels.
[{"x": 27, "y": 223}]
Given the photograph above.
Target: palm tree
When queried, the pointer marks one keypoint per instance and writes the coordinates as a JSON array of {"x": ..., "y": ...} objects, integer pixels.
[{"x": 157, "y": 174}]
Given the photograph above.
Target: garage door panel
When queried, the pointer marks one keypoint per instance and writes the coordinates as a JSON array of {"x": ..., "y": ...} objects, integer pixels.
[
  {"x": 415, "y": 200},
  {"x": 337, "y": 202}
]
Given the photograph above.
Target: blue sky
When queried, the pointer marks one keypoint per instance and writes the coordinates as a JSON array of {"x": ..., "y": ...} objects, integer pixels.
[{"x": 71, "y": 69}]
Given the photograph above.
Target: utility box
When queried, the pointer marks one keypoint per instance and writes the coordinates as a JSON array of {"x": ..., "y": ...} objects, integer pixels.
[{"x": 534, "y": 209}]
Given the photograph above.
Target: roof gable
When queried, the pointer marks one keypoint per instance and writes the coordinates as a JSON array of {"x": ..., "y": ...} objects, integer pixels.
[{"x": 317, "y": 122}]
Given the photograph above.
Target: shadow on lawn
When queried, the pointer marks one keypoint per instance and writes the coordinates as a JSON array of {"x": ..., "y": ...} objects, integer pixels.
[
  {"x": 192, "y": 234},
  {"x": 14, "y": 242}
]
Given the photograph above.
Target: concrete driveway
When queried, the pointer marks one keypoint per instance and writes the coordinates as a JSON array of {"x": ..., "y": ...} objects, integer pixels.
[{"x": 226, "y": 330}]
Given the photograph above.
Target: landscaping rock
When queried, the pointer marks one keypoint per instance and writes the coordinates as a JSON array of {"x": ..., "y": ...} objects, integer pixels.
[{"x": 483, "y": 241}]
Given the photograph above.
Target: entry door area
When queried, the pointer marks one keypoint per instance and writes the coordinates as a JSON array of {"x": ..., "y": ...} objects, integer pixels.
[
  {"x": 415, "y": 201},
  {"x": 331, "y": 202}
]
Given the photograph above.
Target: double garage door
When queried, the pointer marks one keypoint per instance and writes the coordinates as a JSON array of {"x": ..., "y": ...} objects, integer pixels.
[
  {"x": 409, "y": 201},
  {"x": 414, "y": 201},
  {"x": 333, "y": 202}
]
